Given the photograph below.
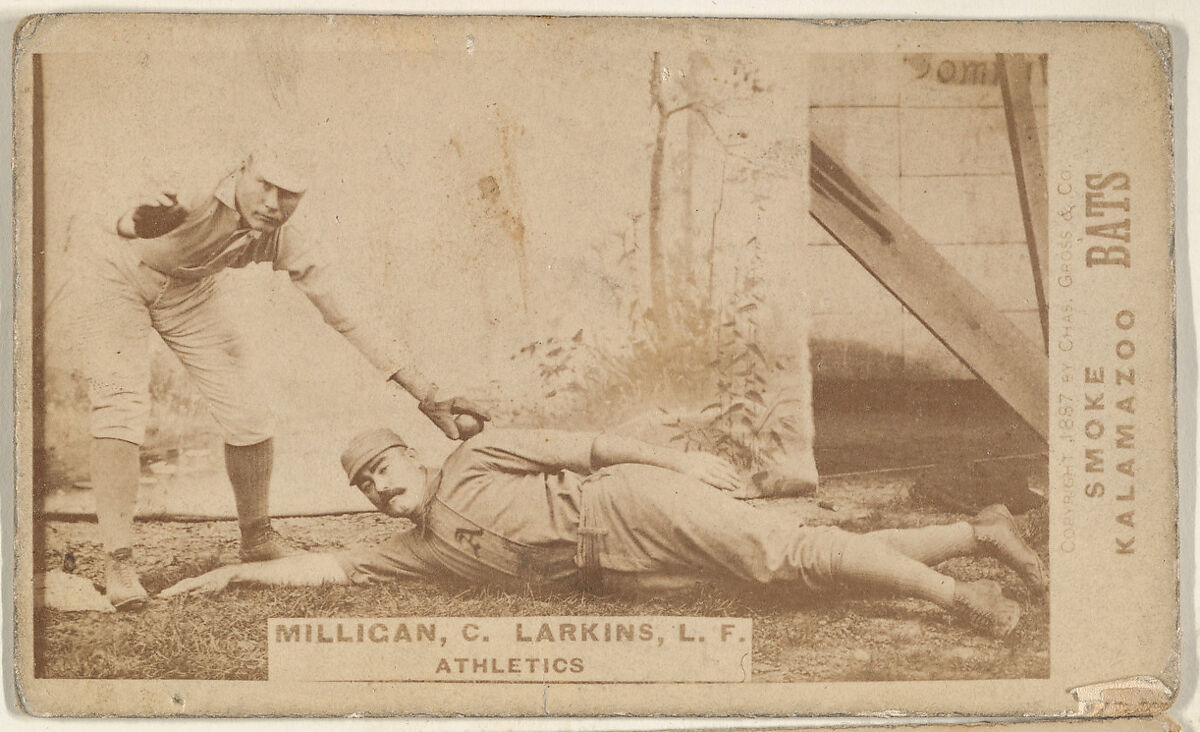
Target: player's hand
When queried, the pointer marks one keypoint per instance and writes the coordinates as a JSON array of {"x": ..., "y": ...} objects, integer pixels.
[
  {"x": 214, "y": 581},
  {"x": 457, "y": 418},
  {"x": 157, "y": 214},
  {"x": 711, "y": 469}
]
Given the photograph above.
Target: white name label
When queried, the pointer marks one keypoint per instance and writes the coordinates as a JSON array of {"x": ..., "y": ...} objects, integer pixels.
[{"x": 522, "y": 650}]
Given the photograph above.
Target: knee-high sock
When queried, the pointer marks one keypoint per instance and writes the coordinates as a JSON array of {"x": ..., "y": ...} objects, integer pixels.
[
  {"x": 115, "y": 473},
  {"x": 866, "y": 561},
  {"x": 930, "y": 544},
  {"x": 249, "y": 469}
]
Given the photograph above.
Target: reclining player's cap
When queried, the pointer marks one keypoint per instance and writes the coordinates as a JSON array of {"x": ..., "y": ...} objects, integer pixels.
[
  {"x": 365, "y": 446},
  {"x": 284, "y": 163}
]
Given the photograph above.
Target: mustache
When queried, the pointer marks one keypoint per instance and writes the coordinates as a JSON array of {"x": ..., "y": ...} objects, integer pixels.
[{"x": 386, "y": 496}]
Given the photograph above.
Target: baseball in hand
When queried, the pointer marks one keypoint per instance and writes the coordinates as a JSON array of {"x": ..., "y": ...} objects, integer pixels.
[{"x": 468, "y": 426}]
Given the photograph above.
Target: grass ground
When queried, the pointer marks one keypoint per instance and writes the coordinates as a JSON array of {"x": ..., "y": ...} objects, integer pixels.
[{"x": 797, "y": 637}]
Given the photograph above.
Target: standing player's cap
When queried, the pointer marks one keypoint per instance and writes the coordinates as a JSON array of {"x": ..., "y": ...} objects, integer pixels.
[
  {"x": 283, "y": 163},
  {"x": 365, "y": 446}
]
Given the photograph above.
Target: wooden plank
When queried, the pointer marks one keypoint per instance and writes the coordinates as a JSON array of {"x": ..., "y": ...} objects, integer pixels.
[
  {"x": 953, "y": 309},
  {"x": 1014, "y": 70}
]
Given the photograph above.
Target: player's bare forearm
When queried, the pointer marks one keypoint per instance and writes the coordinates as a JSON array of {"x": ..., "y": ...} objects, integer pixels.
[
  {"x": 298, "y": 570},
  {"x": 612, "y": 450},
  {"x": 710, "y": 469},
  {"x": 413, "y": 381}
]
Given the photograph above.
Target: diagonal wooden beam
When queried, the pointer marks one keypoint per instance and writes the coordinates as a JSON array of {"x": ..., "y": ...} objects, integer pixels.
[
  {"x": 952, "y": 308},
  {"x": 1014, "y": 70}
]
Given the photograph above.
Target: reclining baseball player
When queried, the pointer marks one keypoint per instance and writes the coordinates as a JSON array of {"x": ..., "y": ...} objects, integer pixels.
[{"x": 519, "y": 508}]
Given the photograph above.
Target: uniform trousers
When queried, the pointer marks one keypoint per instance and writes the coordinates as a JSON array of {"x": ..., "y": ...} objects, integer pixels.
[
  {"x": 657, "y": 531},
  {"x": 122, "y": 301}
]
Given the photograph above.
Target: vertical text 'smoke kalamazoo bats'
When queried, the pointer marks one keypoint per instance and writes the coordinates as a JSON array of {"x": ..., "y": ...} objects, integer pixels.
[
  {"x": 521, "y": 508},
  {"x": 1108, "y": 195}
]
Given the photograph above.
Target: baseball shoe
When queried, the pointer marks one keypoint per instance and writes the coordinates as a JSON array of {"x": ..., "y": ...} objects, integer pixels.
[
  {"x": 983, "y": 605},
  {"x": 264, "y": 543},
  {"x": 997, "y": 533},
  {"x": 121, "y": 584}
]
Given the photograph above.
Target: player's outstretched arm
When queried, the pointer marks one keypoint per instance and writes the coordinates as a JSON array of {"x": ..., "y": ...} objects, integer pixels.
[
  {"x": 301, "y": 569},
  {"x": 706, "y": 467}
]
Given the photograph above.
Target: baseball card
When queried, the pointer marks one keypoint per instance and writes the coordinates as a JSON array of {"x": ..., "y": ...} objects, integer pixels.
[{"x": 547, "y": 366}]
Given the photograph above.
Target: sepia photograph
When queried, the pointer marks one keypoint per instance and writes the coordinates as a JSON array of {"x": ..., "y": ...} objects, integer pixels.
[{"x": 527, "y": 351}]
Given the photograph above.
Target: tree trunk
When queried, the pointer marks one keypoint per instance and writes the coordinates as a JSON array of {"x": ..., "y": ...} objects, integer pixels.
[
  {"x": 658, "y": 275},
  {"x": 687, "y": 244}
]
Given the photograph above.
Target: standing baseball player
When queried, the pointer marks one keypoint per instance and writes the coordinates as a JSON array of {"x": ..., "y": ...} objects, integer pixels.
[
  {"x": 519, "y": 508},
  {"x": 159, "y": 275}
]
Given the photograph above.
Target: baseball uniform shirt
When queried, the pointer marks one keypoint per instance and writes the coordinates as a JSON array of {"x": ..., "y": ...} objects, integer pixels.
[{"x": 656, "y": 530}]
